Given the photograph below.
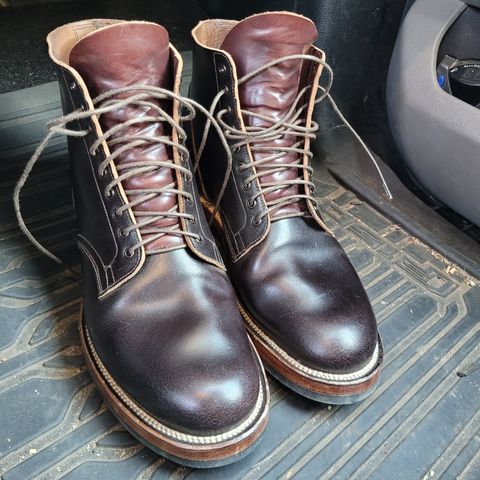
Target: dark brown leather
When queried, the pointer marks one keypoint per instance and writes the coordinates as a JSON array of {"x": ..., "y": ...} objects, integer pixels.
[
  {"x": 173, "y": 338},
  {"x": 168, "y": 331},
  {"x": 252, "y": 43},
  {"x": 133, "y": 54},
  {"x": 98, "y": 227},
  {"x": 242, "y": 231},
  {"x": 300, "y": 287},
  {"x": 296, "y": 283}
]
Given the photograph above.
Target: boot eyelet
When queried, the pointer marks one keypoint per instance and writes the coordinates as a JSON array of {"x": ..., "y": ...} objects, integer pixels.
[
  {"x": 222, "y": 68},
  {"x": 123, "y": 233},
  {"x": 236, "y": 150},
  {"x": 117, "y": 213},
  {"x": 240, "y": 167},
  {"x": 193, "y": 220},
  {"x": 109, "y": 193},
  {"x": 246, "y": 185},
  {"x": 251, "y": 203},
  {"x": 129, "y": 253},
  {"x": 102, "y": 173},
  {"x": 73, "y": 86},
  {"x": 200, "y": 239},
  {"x": 189, "y": 200},
  {"x": 256, "y": 221}
]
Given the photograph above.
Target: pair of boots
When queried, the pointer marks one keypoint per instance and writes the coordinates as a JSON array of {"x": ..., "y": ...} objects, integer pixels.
[{"x": 163, "y": 320}]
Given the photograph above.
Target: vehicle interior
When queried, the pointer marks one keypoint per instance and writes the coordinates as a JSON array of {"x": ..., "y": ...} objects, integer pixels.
[{"x": 407, "y": 79}]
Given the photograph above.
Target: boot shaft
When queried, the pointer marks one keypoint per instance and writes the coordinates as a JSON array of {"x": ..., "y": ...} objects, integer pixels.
[
  {"x": 116, "y": 201},
  {"x": 269, "y": 95},
  {"x": 224, "y": 52},
  {"x": 301, "y": 299}
]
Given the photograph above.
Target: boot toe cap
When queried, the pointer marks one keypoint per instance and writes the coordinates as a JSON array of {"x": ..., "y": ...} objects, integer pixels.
[
  {"x": 202, "y": 397},
  {"x": 184, "y": 358},
  {"x": 338, "y": 347}
]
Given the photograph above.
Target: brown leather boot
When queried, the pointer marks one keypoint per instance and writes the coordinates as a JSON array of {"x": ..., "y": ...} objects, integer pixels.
[
  {"x": 161, "y": 330},
  {"x": 301, "y": 299}
]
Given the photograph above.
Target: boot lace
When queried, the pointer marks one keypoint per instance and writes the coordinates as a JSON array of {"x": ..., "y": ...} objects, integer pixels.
[
  {"x": 141, "y": 96},
  {"x": 293, "y": 124}
]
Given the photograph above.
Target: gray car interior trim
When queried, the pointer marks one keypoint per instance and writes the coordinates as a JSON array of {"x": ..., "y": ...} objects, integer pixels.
[{"x": 437, "y": 133}]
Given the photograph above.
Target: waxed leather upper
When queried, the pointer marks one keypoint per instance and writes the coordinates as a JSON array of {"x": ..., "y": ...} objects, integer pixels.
[
  {"x": 304, "y": 292},
  {"x": 295, "y": 282},
  {"x": 272, "y": 91},
  {"x": 167, "y": 330},
  {"x": 173, "y": 338},
  {"x": 134, "y": 54}
]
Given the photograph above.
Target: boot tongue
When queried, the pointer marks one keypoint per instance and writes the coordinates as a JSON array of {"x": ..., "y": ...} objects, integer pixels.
[
  {"x": 127, "y": 53},
  {"x": 252, "y": 43},
  {"x": 124, "y": 54}
]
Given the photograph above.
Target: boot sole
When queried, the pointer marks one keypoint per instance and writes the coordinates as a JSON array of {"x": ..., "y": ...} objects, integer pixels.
[
  {"x": 182, "y": 448},
  {"x": 324, "y": 387}
]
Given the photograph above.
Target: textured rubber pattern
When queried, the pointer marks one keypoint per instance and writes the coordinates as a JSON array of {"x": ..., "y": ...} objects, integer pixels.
[{"x": 422, "y": 421}]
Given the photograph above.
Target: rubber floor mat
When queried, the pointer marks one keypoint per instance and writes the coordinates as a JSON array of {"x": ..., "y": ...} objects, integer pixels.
[{"x": 422, "y": 422}]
